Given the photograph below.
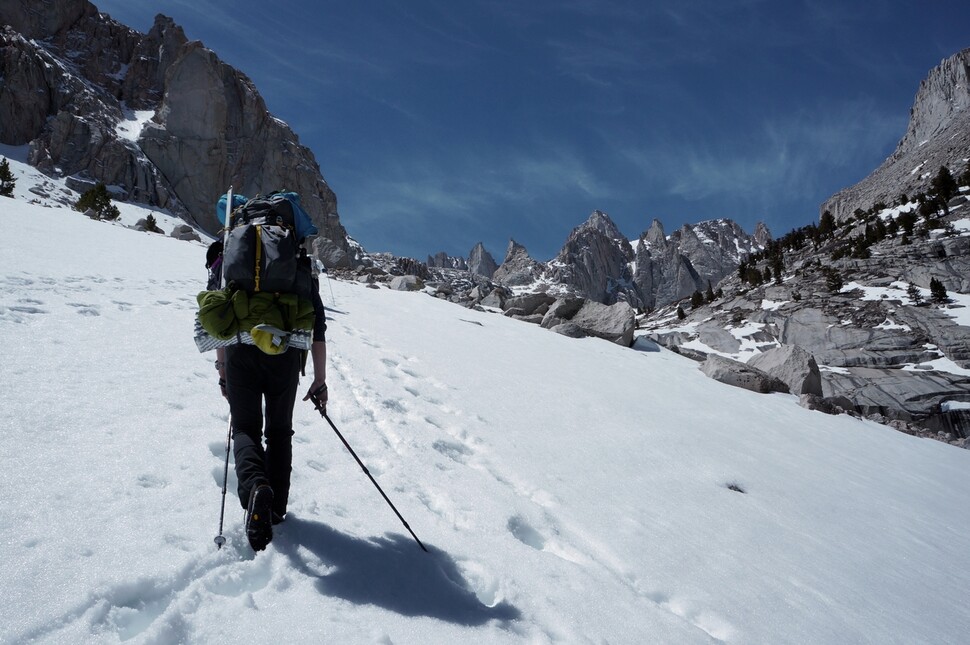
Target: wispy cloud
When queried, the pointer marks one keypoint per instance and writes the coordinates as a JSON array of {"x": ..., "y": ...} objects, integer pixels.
[
  {"x": 786, "y": 158},
  {"x": 474, "y": 193}
]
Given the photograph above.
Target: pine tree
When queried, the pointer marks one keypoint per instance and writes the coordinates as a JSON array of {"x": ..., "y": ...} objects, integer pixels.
[
  {"x": 938, "y": 292},
  {"x": 98, "y": 200},
  {"x": 680, "y": 313},
  {"x": 709, "y": 294},
  {"x": 833, "y": 280},
  {"x": 944, "y": 185},
  {"x": 7, "y": 181},
  {"x": 914, "y": 294},
  {"x": 826, "y": 225},
  {"x": 696, "y": 299}
]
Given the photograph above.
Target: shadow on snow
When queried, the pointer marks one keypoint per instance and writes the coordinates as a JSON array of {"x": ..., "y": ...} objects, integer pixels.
[{"x": 390, "y": 572}]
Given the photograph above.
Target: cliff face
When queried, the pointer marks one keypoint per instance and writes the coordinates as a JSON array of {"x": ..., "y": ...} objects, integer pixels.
[
  {"x": 72, "y": 82},
  {"x": 938, "y": 135}
]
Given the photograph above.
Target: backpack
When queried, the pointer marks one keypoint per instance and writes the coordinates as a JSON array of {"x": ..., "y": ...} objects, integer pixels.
[
  {"x": 266, "y": 274},
  {"x": 263, "y": 251}
]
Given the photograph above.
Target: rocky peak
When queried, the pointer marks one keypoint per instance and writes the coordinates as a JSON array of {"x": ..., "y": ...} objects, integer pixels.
[
  {"x": 481, "y": 261},
  {"x": 762, "y": 236},
  {"x": 654, "y": 236},
  {"x": 71, "y": 77},
  {"x": 595, "y": 261},
  {"x": 942, "y": 95},
  {"x": 518, "y": 268},
  {"x": 600, "y": 221},
  {"x": 153, "y": 56},
  {"x": 938, "y": 135}
]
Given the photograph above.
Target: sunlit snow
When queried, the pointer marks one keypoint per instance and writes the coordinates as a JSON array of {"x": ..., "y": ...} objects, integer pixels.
[{"x": 569, "y": 491}]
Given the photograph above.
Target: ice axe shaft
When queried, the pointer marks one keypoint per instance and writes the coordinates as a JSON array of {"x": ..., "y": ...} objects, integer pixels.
[{"x": 322, "y": 409}]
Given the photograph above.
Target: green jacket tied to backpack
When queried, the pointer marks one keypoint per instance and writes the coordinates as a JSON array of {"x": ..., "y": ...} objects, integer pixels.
[{"x": 226, "y": 313}]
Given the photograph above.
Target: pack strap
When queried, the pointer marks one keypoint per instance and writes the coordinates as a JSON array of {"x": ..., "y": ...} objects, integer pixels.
[{"x": 259, "y": 252}]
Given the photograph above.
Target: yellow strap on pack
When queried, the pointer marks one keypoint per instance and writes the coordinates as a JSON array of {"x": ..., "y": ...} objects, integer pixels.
[{"x": 259, "y": 252}]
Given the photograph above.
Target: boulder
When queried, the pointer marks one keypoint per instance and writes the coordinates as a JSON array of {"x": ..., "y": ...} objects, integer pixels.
[
  {"x": 717, "y": 338},
  {"x": 614, "y": 323},
  {"x": 570, "y": 330},
  {"x": 406, "y": 283},
  {"x": 732, "y": 372},
  {"x": 793, "y": 365},
  {"x": 331, "y": 254},
  {"x": 186, "y": 233},
  {"x": 495, "y": 298},
  {"x": 529, "y": 303},
  {"x": 563, "y": 308}
]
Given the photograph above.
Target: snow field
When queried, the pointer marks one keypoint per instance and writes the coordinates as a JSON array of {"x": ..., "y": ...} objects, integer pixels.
[{"x": 569, "y": 490}]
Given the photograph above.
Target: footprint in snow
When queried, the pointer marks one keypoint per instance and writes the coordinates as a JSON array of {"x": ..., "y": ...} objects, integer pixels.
[
  {"x": 522, "y": 531},
  {"x": 152, "y": 481},
  {"x": 28, "y": 309},
  {"x": 85, "y": 309},
  {"x": 455, "y": 451},
  {"x": 714, "y": 625},
  {"x": 525, "y": 533}
]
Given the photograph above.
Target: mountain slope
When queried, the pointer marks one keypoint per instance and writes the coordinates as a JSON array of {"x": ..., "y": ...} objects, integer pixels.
[{"x": 569, "y": 490}]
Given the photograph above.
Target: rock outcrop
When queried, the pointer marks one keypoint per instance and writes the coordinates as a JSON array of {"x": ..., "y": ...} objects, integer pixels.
[
  {"x": 518, "y": 268},
  {"x": 938, "y": 135},
  {"x": 671, "y": 268},
  {"x": 874, "y": 348},
  {"x": 481, "y": 262},
  {"x": 792, "y": 365},
  {"x": 444, "y": 261},
  {"x": 738, "y": 374},
  {"x": 72, "y": 81},
  {"x": 595, "y": 261}
]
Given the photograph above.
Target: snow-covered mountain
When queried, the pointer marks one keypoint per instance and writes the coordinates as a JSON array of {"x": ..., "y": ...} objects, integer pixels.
[{"x": 569, "y": 491}]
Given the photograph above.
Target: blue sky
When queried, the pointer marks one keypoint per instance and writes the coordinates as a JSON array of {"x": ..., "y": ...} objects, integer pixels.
[{"x": 440, "y": 124}]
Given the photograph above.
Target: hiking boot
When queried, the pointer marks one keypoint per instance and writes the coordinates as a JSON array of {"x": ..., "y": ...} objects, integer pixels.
[{"x": 259, "y": 517}]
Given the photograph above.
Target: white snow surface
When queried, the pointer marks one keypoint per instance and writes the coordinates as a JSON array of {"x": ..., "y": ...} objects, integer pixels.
[{"x": 569, "y": 491}]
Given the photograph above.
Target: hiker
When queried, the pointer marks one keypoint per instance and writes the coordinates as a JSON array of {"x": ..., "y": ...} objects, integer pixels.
[{"x": 250, "y": 377}]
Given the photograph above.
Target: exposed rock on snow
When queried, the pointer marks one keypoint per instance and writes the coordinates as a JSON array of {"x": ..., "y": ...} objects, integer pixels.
[
  {"x": 793, "y": 365},
  {"x": 740, "y": 375}
]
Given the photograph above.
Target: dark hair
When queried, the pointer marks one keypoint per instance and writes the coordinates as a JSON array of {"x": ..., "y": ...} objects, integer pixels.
[{"x": 213, "y": 253}]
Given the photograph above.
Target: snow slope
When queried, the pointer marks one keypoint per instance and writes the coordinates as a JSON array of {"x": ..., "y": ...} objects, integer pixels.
[{"x": 569, "y": 490}]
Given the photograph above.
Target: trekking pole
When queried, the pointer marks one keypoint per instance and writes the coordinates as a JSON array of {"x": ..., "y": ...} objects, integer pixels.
[
  {"x": 323, "y": 412},
  {"x": 225, "y": 480},
  {"x": 330, "y": 284}
]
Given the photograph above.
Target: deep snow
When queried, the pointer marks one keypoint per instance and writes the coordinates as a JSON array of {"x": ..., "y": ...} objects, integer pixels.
[{"x": 569, "y": 490}]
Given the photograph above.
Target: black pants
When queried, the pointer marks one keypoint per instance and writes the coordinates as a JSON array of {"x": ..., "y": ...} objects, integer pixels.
[{"x": 252, "y": 376}]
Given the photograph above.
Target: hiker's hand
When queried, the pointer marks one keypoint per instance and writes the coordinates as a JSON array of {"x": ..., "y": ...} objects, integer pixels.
[
  {"x": 318, "y": 390},
  {"x": 221, "y": 368}
]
